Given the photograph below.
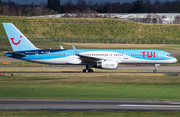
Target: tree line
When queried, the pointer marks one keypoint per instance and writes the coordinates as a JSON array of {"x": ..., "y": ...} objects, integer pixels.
[
  {"x": 10, "y": 8},
  {"x": 137, "y": 6}
]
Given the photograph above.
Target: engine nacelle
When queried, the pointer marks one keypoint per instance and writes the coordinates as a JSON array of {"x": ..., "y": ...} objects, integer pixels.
[{"x": 107, "y": 65}]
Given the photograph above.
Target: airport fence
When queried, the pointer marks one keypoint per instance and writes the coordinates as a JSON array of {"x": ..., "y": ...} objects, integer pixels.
[
  {"x": 106, "y": 40},
  {"x": 112, "y": 40}
]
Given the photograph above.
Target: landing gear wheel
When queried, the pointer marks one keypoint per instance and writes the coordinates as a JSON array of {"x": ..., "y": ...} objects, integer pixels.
[
  {"x": 84, "y": 70},
  {"x": 90, "y": 70},
  {"x": 155, "y": 71}
]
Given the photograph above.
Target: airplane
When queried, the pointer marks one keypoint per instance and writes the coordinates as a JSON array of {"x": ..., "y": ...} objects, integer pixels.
[{"x": 93, "y": 58}]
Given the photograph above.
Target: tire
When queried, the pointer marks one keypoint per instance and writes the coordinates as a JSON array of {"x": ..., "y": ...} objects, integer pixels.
[
  {"x": 84, "y": 70},
  {"x": 154, "y": 71},
  {"x": 90, "y": 70}
]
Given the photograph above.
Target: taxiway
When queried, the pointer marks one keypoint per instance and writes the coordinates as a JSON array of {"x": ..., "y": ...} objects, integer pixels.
[{"x": 87, "y": 105}]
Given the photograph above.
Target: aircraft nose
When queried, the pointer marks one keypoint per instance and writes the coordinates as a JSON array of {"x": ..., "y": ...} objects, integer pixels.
[{"x": 174, "y": 60}]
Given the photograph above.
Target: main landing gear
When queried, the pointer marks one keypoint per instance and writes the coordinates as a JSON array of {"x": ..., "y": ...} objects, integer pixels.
[
  {"x": 156, "y": 68},
  {"x": 88, "y": 68}
]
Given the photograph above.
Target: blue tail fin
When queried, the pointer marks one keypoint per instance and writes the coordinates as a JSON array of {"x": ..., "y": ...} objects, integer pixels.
[{"x": 17, "y": 40}]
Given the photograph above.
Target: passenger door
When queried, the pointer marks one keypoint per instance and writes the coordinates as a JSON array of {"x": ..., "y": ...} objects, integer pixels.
[
  {"x": 160, "y": 55},
  {"x": 125, "y": 55},
  {"x": 36, "y": 54}
]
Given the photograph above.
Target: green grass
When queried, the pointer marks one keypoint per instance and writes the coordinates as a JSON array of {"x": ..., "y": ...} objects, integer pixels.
[
  {"x": 57, "y": 90},
  {"x": 91, "y": 28},
  {"x": 178, "y": 59},
  {"x": 119, "y": 86},
  {"x": 87, "y": 114},
  {"x": 46, "y": 44}
]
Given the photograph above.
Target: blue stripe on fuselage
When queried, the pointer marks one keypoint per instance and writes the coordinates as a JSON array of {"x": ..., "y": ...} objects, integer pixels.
[{"x": 60, "y": 53}]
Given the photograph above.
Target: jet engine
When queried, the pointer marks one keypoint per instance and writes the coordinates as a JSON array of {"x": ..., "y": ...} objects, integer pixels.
[{"x": 107, "y": 65}]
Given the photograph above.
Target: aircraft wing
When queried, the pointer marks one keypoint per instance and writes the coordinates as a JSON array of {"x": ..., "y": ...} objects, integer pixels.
[
  {"x": 85, "y": 58},
  {"x": 88, "y": 59}
]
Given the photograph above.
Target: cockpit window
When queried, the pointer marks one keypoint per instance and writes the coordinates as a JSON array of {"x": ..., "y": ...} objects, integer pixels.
[{"x": 169, "y": 55}]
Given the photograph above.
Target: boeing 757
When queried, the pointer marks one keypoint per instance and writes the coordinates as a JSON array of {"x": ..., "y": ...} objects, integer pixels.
[{"x": 93, "y": 58}]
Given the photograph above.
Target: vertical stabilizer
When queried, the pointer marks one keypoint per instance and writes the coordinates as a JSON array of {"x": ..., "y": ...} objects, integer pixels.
[{"x": 17, "y": 40}]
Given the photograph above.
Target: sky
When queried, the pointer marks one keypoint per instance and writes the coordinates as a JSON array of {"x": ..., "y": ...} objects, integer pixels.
[{"x": 74, "y": 1}]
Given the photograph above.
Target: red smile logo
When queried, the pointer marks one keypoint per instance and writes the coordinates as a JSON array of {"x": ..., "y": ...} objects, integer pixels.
[{"x": 12, "y": 39}]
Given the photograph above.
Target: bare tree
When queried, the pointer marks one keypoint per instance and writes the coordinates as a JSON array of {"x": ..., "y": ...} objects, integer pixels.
[
  {"x": 177, "y": 19},
  {"x": 12, "y": 10},
  {"x": 5, "y": 10},
  {"x": 81, "y": 5},
  {"x": 28, "y": 11},
  {"x": 38, "y": 11},
  {"x": 148, "y": 18},
  {"x": 20, "y": 10}
]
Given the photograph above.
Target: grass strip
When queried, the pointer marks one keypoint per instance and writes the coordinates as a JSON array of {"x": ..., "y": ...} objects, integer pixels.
[
  {"x": 87, "y": 114},
  {"x": 58, "y": 90},
  {"x": 91, "y": 28}
]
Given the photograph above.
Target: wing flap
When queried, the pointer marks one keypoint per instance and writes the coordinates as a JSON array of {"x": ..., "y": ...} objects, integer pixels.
[{"x": 88, "y": 59}]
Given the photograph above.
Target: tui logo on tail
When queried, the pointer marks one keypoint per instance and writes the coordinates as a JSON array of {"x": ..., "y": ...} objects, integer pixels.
[{"x": 12, "y": 39}]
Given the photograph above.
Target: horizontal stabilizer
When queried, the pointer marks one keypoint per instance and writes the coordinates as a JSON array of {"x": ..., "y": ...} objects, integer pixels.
[
  {"x": 16, "y": 53},
  {"x": 61, "y": 47}
]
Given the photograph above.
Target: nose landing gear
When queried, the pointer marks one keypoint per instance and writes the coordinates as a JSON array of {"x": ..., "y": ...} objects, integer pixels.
[{"x": 156, "y": 68}]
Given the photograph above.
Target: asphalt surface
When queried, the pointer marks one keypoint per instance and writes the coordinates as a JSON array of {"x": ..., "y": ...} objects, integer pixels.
[
  {"x": 87, "y": 105},
  {"x": 8, "y": 59},
  {"x": 143, "y": 68}
]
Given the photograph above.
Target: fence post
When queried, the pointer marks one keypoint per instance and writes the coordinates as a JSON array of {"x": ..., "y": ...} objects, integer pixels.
[{"x": 60, "y": 39}]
